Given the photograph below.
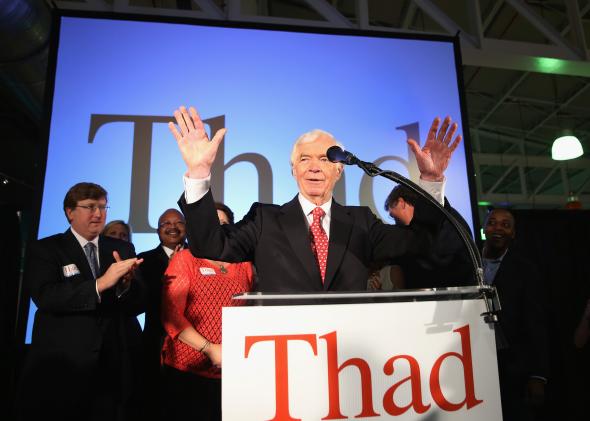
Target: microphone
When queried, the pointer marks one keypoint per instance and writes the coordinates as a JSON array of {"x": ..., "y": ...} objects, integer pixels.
[{"x": 337, "y": 154}]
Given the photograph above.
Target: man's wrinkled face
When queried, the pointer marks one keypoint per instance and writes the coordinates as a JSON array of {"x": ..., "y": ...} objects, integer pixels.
[
  {"x": 88, "y": 217},
  {"x": 314, "y": 173},
  {"x": 499, "y": 229},
  {"x": 171, "y": 228},
  {"x": 402, "y": 212}
]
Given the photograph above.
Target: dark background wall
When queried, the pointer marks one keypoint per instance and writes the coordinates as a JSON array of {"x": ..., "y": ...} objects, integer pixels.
[{"x": 558, "y": 241}]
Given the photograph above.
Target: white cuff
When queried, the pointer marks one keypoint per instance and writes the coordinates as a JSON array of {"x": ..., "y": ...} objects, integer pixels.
[
  {"x": 195, "y": 188},
  {"x": 97, "y": 293},
  {"x": 435, "y": 188}
]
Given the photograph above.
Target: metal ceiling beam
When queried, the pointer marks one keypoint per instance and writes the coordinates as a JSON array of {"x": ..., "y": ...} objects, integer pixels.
[
  {"x": 545, "y": 28},
  {"x": 515, "y": 84},
  {"x": 582, "y": 186},
  {"x": 565, "y": 182},
  {"x": 501, "y": 179},
  {"x": 362, "y": 13},
  {"x": 505, "y": 137},
  {"x": 445, "y": 21},
  {"x": 546, "y": 102},
  {"x": 525, "y": 74},
  {"x": 528, "y": 161},
  {"x": 584, "y": 10},
  {"x": 544, "y": 181},
  {"x": 523, "y": 56},
  {"x": 210, "y": 8},
  {"x": 474, "y": 13},
  {"x": 330, "y": 13},
  {"x": 493, "y": 53},
  {"x": 409, "y": 14},
  {"x": 552, "y": 200},
  {"x": 575, "y": 19},
  {"x": 491, "y": 15},
  {"x": 575, "y": 94}
]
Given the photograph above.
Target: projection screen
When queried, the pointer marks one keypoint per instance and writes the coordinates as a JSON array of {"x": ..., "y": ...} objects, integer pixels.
[{"x": 117, "y": 82}]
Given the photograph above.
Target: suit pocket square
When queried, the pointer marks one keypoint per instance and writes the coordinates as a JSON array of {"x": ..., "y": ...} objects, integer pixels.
[{"x": 70, "y": 270}]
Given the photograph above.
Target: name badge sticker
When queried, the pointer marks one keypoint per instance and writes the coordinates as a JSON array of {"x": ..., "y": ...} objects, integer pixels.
[
  {"x": 70, "y": 270},
  {"x": 207, "y": 271}
]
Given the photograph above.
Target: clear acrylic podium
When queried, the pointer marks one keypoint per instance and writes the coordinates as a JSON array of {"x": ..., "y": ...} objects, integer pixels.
[{"x": 407, "y": 354}]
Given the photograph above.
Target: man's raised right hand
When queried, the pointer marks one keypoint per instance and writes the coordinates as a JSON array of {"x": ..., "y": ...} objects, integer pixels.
[{"x": 197, "y": 151}]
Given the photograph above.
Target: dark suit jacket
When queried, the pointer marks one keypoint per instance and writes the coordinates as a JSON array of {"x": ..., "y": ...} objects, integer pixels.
[
  {"x": 152, "y": 269},
  {"x": 81, "y": 347},
  {"x": 522, "y": 318},
  {"x": 448, "y": 263},
  {"x": 276, "y": 239}
]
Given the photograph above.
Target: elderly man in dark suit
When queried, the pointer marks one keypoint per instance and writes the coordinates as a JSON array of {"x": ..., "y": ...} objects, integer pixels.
[
  {"x": 311, "y": 243},
  {"x": 83, "y": 358}
]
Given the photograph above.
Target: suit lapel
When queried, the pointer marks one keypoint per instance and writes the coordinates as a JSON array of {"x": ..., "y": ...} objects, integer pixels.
[
  {"x": 340, "y": 228},
  {"x": 105, "y": 253},
  {"x": 292, "y": 222},
  {"x": 505, "y": 267},
  {"x": 76, "y": 254},
  {"x": 162, "y": 256}
]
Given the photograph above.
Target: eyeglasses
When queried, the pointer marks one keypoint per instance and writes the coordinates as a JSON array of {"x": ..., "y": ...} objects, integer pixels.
[
  {"x": 93, "y": 208},
  {"x": 169, "y": 224}
]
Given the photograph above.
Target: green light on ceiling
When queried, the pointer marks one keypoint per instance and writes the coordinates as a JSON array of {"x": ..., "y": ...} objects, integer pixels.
[
  {"x": 549, "y": 65},
  {"x": 484, "y": 203}
]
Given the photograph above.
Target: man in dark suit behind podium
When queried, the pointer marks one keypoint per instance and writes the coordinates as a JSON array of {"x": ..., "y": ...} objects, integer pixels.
[
  {"x": 311, "y": 243},
  {"x": 82, "y": 363}
]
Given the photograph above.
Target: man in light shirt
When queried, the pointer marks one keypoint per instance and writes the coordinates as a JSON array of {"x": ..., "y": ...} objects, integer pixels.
[
  {"x": 86, "y": 343},
  {"x": 311, "y": 243}
]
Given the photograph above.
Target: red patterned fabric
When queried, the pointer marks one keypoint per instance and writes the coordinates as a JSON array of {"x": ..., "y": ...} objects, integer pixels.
[
  {"x": 319, "y": 240},
  {"x": 192, "y": 298}
]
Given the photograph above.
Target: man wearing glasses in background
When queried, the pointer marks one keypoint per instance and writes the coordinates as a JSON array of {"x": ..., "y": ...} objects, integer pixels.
[{"x": 86, "y": 348}]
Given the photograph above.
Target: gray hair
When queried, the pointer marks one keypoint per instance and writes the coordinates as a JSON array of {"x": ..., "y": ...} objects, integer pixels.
[{"x": 311, "y": 136}]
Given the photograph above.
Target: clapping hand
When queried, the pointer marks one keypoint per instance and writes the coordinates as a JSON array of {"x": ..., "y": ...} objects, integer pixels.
[{"x": 120, "y": 269}]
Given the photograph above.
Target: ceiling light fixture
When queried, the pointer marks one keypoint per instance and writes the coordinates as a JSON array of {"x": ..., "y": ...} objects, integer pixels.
[{"x": 566, "y": 147}]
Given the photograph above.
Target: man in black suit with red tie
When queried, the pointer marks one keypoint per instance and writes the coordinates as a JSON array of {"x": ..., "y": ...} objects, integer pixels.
[
  {"x": 311, "y": 243},
  {"x": 86, "y": 347}
]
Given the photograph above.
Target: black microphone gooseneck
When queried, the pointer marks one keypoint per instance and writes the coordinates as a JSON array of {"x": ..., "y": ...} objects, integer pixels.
[{"x": 336, "y": 154}]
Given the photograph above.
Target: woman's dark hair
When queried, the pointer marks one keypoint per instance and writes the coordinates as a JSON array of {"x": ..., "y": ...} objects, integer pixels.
[{"x": 225, "y": 209}]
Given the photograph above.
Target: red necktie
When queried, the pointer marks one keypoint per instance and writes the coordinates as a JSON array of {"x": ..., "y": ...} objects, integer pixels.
[{"x": 319, "y": 240}]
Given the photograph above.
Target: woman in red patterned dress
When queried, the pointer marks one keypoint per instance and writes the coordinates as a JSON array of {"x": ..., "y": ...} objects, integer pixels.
[{"x": 194, "y": 292}]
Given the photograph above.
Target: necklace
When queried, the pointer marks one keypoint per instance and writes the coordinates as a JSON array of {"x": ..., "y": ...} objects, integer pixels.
[{"x": 221, "y": 267}]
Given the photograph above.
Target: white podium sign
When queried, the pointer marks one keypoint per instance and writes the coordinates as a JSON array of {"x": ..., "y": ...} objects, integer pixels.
[{"x": 404, "y": 361}]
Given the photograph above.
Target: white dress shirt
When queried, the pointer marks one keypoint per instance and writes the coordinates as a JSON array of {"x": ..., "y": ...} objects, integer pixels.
[
  {"x": 196, "y": 188},
  {"x": 83, "y": 241}
]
